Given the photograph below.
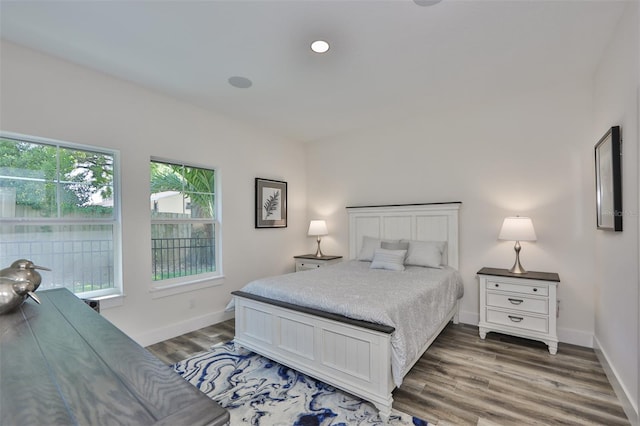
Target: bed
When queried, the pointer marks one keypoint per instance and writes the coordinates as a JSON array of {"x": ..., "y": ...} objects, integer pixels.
[{"x": 351, "y": 342}]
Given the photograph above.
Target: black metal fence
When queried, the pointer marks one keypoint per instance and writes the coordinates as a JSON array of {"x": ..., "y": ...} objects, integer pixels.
[{"x": 179, "y": 257}]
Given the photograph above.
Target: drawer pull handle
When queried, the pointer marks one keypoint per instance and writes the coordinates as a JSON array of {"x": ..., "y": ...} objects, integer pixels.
[
  {"x": 535, "y": 289},
  {"x": 515, "y": 319},
  {"x": 515, "y": 301},
  {"x": 497, "y": 285}
]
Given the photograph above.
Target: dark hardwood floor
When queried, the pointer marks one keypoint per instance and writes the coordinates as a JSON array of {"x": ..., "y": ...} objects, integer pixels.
[
  {"x": 463, "y": 380},
  {"x": 182, "y": 347}
]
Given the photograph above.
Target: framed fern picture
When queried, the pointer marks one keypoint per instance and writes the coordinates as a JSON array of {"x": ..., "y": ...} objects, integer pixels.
[{"x": 271, "y": 203}]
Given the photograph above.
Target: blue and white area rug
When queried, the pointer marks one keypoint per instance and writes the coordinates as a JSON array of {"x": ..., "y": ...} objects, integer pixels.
[{"x": 258, "y": 391}]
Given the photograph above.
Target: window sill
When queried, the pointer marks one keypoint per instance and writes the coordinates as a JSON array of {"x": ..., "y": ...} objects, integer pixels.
[
  {"x": 110, "y": 301},
  {"x": 159, "y": 291}
]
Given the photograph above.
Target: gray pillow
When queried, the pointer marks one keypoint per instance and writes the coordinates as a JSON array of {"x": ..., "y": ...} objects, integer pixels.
[
  {"x": 369, "y": 244},
  {"x": 395, "y": 245}
]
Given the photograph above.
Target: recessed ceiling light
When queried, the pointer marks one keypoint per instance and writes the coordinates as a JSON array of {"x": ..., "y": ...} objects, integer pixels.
[
  {"x": 426, "y": 2},
  {"x": 240, "y": 82},
  {"x": 320, "y": 46}
]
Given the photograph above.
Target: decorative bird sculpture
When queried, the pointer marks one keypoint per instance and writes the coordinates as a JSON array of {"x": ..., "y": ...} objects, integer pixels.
[
  {"x": 13, "y": 293},
  {"x": 24, "y": 270},
  {"x": 17, "y": 282}
]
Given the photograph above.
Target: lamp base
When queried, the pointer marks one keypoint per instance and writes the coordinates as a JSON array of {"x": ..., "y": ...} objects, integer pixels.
[
  {"x": 319, "y": 252},
  {"x": 517, "y": 267}
]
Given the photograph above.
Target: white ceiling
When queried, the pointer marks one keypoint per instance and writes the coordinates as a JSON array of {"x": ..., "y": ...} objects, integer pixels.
[{"x": 389, "y": 59}]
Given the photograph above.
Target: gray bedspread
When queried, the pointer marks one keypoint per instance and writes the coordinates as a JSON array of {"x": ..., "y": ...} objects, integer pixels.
[{"x": 414, "y": 301}]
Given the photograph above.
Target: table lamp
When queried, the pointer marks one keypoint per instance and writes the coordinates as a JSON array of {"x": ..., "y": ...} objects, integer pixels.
[
  {"x": 517, "y": 229},
  {"x": 318, "y": 228}
]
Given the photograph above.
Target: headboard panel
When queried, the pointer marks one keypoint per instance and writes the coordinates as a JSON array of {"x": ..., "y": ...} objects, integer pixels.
[{"x": 424, "y": 222}]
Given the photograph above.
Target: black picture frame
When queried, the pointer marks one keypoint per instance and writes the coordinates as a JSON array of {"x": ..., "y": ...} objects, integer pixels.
[
  {"x": 271, "y": 203},
  {"x": 608, "y": 152}
]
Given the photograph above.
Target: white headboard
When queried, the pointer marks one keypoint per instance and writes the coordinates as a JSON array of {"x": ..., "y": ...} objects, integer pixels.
[{"x": 423, "y": 222}]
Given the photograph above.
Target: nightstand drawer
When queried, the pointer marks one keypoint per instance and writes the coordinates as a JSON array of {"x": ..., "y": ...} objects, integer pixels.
[
  {"x": 518, "y": 288},
  {"x": 525, "y": 322},
  {"x": 518, "y": 302},
  {"x": 300, "y": 266}
]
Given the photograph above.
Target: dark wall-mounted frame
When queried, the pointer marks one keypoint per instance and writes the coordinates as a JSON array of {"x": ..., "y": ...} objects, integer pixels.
[
  {"x": 271, "y": 203},
  {"x": 608, "y": 154}
]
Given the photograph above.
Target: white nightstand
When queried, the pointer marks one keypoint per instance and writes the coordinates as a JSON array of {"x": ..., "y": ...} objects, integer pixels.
[
  {"x": 310, "y": 261},
  {"x": 522, "y": 305}
]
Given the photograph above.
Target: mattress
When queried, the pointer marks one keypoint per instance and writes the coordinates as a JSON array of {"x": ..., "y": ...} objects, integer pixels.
[{"x": 414, "y": 301}]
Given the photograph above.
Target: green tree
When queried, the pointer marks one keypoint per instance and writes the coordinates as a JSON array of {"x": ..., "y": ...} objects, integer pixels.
[
  {"x": 46, "y": 177},
  {"x": 196, "y": 183}
]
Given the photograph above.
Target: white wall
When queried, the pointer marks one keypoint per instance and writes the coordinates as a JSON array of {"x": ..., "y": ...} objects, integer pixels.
[
  {"x": 616, "y": 254},
  {"x": 43, "y": 96},
  {"x": 515, "y": 153}
]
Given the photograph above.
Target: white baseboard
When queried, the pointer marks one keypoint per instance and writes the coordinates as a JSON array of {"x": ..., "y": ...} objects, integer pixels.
[
  {"x": 176, "y": 329},
  {"x": 630, "y": 407}
]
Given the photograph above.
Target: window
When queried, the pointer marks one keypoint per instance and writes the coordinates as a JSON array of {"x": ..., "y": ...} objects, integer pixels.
[
  {"x": 58, "y": 209},
  {"x": 184, "y": 237}
]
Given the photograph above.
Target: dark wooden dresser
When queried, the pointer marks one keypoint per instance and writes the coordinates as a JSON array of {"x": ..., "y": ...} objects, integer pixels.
[{"x": 61, "y": 363}]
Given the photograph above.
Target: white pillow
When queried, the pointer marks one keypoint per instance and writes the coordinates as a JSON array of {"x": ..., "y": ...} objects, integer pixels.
[
  {"x": 369, "y": 244},
  {"x": 392, "y": 260},
  {"x": 425, "y": 253}
]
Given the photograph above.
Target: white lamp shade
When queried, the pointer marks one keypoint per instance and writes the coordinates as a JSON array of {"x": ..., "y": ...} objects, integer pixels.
[
  {"x": 318, "y": 227},
  {"x": 517, "y": 229}
]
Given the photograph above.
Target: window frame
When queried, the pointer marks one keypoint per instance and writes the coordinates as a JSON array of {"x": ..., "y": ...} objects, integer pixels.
[
  {"x": 112, "y": 296},
  {"x": 172, "y": 286}
]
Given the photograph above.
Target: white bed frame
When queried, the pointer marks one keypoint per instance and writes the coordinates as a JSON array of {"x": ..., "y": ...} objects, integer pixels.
[{"x": 351, "y": 355}]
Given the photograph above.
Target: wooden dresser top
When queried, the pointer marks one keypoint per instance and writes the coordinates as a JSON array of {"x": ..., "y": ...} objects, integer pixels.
[{"x": 63, "y": 363}]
